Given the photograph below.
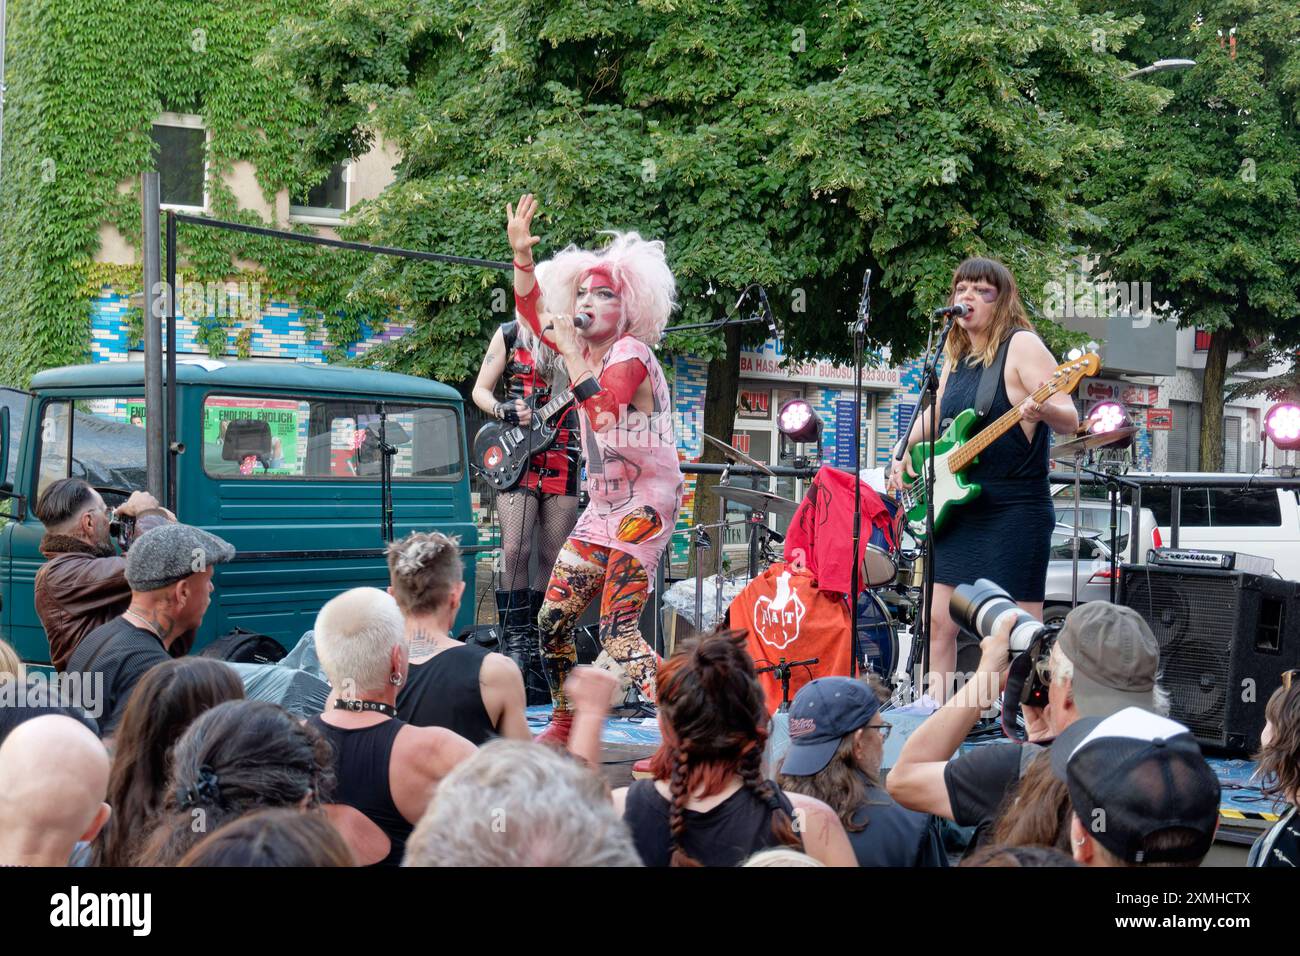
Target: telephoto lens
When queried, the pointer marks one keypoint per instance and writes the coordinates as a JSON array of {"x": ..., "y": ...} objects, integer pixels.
[{"x": 979, "y": 607}]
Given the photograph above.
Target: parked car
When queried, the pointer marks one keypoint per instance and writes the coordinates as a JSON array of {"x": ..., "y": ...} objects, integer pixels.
[{"x": 1094, "y": 571}]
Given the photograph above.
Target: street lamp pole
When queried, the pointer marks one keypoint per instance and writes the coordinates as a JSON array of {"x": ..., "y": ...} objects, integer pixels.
[{"x": 1160, "y": 65}]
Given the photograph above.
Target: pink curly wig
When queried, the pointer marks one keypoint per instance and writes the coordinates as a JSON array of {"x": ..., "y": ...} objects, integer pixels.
[{"x": 648, "y": 289}]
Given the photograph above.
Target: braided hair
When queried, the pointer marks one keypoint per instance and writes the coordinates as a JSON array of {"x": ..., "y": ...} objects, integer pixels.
[{"x": 714, "y": 722}]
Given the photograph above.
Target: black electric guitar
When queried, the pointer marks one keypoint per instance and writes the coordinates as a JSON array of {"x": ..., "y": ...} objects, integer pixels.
[{"x": 501, "y": 451}]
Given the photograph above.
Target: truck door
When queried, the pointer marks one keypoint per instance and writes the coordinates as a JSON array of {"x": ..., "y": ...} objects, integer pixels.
[{"x": 94, "y": 439}]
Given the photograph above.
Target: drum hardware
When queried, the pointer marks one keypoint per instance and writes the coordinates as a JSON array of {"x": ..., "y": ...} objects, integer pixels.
[
  {"x": 736, "y": 456},
  {"x": 1078, "y": 448},
  {"x": 781, "y": 671},
  {"x": 764, "y": 501}
]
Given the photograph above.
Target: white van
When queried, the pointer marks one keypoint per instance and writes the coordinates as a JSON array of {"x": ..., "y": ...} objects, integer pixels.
[{"x": 1262, "y": 521}]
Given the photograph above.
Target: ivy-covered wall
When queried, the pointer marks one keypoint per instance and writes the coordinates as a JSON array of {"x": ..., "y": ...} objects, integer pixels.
[{"x": 85, "y": 81}]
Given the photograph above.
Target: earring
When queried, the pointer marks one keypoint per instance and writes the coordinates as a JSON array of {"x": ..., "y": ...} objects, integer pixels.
[
  {"x": 396, "y": 680},
  {"x": 1079, "y": 842}
]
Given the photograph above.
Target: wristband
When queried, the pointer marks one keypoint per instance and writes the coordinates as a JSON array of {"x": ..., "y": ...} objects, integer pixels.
[
  {"x": 523, "y": 268},
  {"x": 586, "y": 388}
]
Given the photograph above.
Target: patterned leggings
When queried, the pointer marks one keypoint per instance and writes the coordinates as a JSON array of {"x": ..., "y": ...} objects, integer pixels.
[{"x": 581, "y": 572}]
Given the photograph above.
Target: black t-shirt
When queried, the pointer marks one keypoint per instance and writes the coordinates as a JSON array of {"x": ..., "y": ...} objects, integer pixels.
[
  {"x": 978, "y": 782},
  {"x": 1280, "y": 846},
  {"x": 727, "y": 835},
  {"x": 895, "y": 835},
  {"x": 122, "y": 653}
]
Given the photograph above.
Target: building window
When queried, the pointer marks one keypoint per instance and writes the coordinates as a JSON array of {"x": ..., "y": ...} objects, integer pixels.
[
  {"x": 326, "y": 200},
  {"x": 1202, "y": 340},
  {"x": 180, "y": 142}
]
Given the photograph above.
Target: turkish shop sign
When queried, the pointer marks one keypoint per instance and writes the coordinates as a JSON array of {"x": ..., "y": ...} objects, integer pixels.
[{"x": 770, "y": 362}]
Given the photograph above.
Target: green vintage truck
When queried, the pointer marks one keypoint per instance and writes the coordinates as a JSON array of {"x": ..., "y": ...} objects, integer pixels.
[{"x": 281, "y": 460}]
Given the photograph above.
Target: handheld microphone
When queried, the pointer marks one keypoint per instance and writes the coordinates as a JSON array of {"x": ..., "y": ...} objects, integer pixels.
[
  {"x": 959, "y": 311},
  {"x": 580, "y": 321}
]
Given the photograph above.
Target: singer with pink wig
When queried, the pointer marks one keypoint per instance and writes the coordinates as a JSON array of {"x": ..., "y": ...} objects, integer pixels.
[{"x": 602, "y": 312}]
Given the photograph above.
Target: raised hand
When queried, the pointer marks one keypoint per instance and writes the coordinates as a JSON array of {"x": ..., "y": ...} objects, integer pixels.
[{"x": 519, "y": 222}]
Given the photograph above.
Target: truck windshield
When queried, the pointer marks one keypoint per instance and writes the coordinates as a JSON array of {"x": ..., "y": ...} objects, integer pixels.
[
  {"x": 284, "y": 437},
  {"x": 101, "y": 441}
]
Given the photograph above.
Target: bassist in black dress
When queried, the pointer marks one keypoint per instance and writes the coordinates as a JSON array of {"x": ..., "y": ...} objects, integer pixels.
[{"x": 1005, "y": 533}]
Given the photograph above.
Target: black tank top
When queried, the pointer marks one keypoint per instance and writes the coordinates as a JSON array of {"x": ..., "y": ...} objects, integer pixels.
[
  {"x": 1013, "y": 469},
  {"x": 727, "y": 835},
  {"x": 444, "y": 691},
  {"x": 362, "y": 757}
]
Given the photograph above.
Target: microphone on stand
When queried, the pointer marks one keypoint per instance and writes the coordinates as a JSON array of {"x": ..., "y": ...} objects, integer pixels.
[
  {"x": 767, "y": 314},
  {"x": 959, "y": 311}
]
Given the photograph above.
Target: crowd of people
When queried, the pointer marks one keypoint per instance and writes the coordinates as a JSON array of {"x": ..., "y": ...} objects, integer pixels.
[{"x": 423, "y": 755}]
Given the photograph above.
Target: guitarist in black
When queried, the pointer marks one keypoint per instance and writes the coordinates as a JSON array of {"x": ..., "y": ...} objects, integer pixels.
[
  {"x": 537, "y": 514},
  {"x": 1005, "y": 533}
]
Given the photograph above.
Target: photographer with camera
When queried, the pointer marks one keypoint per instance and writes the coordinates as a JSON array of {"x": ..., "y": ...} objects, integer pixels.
[
  {"x": 1104, "y": 659},
  {"x": 83, "y": 581}
]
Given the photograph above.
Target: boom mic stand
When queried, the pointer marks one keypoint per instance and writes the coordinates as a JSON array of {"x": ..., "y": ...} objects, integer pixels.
[
  {"x": 859, "y": 340},
  {"x": 928, "y": 401}
]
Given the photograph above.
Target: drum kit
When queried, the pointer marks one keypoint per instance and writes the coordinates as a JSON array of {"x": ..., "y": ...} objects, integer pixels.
[{"x": 891, "y": 572}]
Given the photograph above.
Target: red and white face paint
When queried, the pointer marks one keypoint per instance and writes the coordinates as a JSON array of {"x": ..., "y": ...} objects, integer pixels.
[{"x": 600, "y": 296}]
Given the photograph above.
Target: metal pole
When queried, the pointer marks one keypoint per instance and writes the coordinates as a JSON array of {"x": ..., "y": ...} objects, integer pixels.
[
  {"x": 173, "y": 447},
  {"x": 155, "y": 435},
  {"x": 3, "y": 14}
]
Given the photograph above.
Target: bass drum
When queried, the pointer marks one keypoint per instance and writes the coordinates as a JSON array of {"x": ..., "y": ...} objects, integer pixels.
[{"x": 877, "y": 636}]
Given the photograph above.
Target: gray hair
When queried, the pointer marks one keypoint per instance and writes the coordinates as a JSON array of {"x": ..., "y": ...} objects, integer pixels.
[
  {"x": 1062, "y": 669},
  {"x": 515, "y": 803},
  {"x": 356, "y": 632}
]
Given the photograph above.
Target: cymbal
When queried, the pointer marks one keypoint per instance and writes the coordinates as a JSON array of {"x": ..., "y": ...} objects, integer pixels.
[
  {"x": 736, "y": 455},
  {"x": 758, "y": 500},
  {"x": 1092, "y": 440}
]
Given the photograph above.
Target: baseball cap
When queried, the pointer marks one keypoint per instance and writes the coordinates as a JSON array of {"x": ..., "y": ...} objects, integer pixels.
[
  {"x": 171, "y": 552},
  {"x": 1116, "y": 658},
  {"x": 1133, "y": 775},
  {"x": 824, "y": 711}
]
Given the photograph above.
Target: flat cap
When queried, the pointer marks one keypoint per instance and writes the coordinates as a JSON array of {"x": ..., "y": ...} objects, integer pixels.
[{"x": 169, "y": 553}]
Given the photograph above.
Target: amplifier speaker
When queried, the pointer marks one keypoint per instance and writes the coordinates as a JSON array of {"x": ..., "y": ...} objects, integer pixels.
[{"x": 1225, "y": 638}]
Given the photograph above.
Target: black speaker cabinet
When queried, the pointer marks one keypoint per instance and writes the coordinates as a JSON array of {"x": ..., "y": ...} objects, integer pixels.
[{"x": 1225, "y": 638}]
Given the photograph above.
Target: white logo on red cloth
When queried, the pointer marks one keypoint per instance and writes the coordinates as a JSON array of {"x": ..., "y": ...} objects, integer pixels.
[{"x": 777, "y": 619}]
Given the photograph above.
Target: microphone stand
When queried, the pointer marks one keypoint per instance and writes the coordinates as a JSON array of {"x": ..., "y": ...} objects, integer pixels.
[
  {"x": 859, "y": 340},
  {"x": 928, "y": 400}
]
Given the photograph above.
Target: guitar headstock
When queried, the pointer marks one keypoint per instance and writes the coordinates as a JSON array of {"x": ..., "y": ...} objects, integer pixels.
[{"x": 1069, "y": 374}]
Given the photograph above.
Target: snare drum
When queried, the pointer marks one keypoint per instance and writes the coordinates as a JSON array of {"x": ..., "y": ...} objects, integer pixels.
[
  {"x": 877, "y": 635},
  {"x": 878, "y": 564}
]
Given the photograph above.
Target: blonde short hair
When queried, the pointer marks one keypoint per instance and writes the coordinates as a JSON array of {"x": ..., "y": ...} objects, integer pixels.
[
  {"x": 355, "y": 636},
  {"x": 11, "y": 665}
]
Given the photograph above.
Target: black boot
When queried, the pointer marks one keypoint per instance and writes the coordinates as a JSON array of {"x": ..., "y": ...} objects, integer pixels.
[
  {"x": 536, "y": 687},
  {"x": 519, "y": 641}
]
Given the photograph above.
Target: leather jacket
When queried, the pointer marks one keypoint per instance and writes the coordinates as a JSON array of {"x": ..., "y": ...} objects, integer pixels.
[{"x": 80, "y": 587}]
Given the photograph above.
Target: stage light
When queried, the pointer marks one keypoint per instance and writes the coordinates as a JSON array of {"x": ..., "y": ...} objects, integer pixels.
[
  {"x": 798, "y": 421},
  {"x": 1107, "y": 417},
  {"x": 1282, "y": 423}
]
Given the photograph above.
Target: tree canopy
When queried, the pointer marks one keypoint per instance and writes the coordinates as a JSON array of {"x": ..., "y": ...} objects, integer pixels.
[
  {"x": 791, "y": 143},
  {"x": 1203, "y": 204}
]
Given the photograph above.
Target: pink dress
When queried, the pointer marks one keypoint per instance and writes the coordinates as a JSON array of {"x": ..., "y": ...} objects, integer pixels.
[{"x": 633, "y": 474}]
